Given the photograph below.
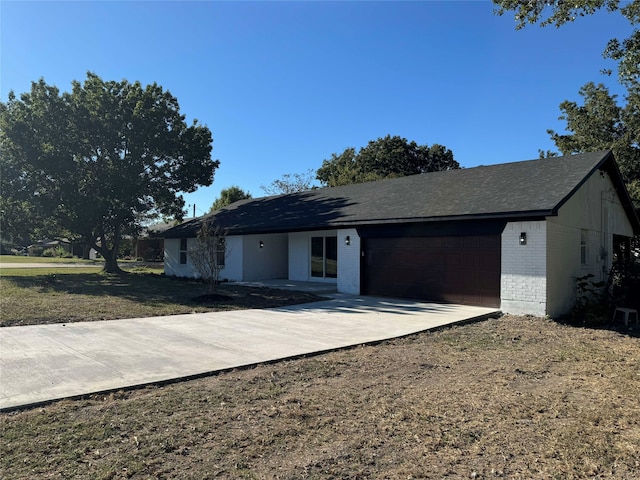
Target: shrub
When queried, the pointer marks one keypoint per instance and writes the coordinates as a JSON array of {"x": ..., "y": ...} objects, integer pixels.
[
  {"x": 57, "y": 252},
  {"x": 595, "y": 301},
  {"x": 625, "y": 284},
  {"x": 592, "y": 306}
]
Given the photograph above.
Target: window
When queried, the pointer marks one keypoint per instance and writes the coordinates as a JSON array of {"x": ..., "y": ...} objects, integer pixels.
[
  {"x": 220, "y": 252},
  {"x": 584, "y": 242},
  {"x": 183, "y": 251},
  {"x": 324, "y": 257}
]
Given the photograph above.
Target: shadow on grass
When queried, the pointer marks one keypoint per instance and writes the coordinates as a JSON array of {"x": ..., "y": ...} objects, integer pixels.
[
  {"x": 138, "y": 287},
  {"x": 631, "y": 330},
  {"x": 154, "y": 291}
]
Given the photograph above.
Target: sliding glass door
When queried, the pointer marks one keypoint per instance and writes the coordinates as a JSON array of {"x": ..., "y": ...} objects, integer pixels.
[{"x": 324, "y": 257}]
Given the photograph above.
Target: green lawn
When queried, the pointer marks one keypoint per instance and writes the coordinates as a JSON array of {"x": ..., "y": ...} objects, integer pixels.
[{"x": 23, "y": 259}]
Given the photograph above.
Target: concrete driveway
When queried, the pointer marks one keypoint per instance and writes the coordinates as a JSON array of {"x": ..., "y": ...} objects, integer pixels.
[{"x": 47, "y": 362}]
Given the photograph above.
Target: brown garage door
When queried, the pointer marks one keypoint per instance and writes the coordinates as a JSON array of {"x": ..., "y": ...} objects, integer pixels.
[{"x": 455, "y": 269}]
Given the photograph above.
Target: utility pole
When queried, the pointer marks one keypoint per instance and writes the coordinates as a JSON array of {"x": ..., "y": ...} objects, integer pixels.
[{"x": 194, "y": 210}]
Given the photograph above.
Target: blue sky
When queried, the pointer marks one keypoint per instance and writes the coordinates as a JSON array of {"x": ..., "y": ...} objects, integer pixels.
[{"x": 283, "y": 85}]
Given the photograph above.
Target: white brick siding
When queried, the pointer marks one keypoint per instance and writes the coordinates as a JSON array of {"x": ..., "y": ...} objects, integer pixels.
[
  {"x": 349, "y": 262},
  {"x": 523, "y": 282}
]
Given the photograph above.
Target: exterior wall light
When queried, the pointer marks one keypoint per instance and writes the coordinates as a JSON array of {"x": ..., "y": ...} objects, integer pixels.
[
  {"x": 523, "y": 238},
  {"x": 261, "y": 244},
  {"x": 347, "y": 240}
]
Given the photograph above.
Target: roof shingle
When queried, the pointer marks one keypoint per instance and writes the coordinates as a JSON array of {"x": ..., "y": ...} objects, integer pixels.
[{"x": 533, "y": 188}]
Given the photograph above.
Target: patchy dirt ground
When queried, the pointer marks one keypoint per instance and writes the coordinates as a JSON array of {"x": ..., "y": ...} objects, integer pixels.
[{"x": 514, "y": 397}]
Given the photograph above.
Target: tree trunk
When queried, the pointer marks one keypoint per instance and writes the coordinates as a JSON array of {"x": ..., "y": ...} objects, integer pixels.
[{"x": 111, "y": 264}]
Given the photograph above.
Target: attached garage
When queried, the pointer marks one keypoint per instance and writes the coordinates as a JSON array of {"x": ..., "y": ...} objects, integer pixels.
[
  {"x": 453, "y": 269},
  {"x": 444, "y": 262}
]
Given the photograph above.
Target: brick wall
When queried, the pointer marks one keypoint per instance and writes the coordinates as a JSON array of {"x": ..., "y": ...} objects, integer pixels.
[
  {"x": 349, "y": 262},
  {"x": 523, "y": 282}
]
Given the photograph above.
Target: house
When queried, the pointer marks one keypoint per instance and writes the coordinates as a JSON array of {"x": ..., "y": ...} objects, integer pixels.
[
  {"x": 513, "y": 236},
  {"x": 149, "y": 245}
]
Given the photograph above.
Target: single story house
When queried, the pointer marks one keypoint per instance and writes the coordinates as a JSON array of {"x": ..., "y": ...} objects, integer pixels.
[
  {"x": 149, "y": 245},
  {"x": 514, "y": 236}
]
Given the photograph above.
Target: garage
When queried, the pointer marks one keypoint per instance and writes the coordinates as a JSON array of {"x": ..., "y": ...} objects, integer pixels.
[{"x": 462, "y": 269}]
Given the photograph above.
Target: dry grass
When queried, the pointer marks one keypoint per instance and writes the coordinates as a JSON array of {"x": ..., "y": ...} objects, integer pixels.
[
  {"x": 55, "y": 295},
  {"x": 514, "y": 397}
]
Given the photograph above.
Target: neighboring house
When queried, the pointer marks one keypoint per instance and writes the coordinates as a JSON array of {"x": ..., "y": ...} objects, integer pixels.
[
  {"x": 149, "y": 245},
  {"x": 513, "y": 236},
  {"x": 48, "y": 243}
]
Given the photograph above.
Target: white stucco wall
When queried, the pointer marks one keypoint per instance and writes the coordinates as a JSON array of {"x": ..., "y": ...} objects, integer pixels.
[
  {"x": 233, "y": 259},
  {"x": 299, "y": 252},
  {"x": 596, "y": 208},
  {"x": 523, "y": 281},
  {"x": 267, "y": 263},
  {"x": 349, "y": 262},
  {"x": 172, "y": 264}
]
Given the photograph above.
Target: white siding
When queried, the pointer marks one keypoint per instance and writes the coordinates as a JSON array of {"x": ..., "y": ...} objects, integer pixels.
[
  {"x": 349, "y": 262},
  {"x": 523, "y": 281},
  {"x": 540, "y": 277},
  {"x": 596, "y": 208}
]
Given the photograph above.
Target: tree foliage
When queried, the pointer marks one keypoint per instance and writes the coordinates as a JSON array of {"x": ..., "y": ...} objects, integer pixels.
[
  {"x": 601, "y": 124},
  {"x": 290, "y": 183},
  {"x": 558, "y": 12},
  {"x": 383, "y": 158},
  {"x": 208, "y": 254},
  {"x": 229, "y": 196},
  {"x": 101, "y": 160}
]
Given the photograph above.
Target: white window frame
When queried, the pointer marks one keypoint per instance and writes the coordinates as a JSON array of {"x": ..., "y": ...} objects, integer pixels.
[
  {"x": 182, "y": 254},
  {"x": 584, "y": 247}
]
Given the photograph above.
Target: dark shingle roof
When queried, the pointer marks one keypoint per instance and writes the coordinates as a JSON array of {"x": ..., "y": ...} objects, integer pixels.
[{"x": 534, "y": 188}]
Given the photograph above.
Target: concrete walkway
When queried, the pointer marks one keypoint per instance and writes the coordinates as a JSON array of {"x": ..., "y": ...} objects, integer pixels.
[{"x": 47, "y": 362}]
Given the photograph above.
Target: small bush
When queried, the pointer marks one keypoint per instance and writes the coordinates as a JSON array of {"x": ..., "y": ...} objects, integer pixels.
[
  {"x": 591, "y": 308},
  {"x": 57, "y": 252},
  {"x": 595, "y": 301}
]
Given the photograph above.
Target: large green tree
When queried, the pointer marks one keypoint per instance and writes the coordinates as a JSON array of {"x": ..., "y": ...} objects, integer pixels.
[
  {"x": 229, "y": 196},
  {"x": 101, "y": 160},
  {"x": 384, "y": 158},
  {"x": 601, "y": 124},
  {"x": 625, "y": 51}
]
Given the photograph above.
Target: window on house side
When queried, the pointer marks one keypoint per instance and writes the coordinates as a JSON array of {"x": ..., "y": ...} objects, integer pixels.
[
  {"x": 220, "y": 252},
  {"x": 183, "y": 251},
  {"x": 584, "y": 242}
]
